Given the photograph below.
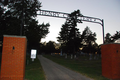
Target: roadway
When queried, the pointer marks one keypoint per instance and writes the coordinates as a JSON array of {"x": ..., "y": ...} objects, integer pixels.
[{"x": 54, "y": 71}]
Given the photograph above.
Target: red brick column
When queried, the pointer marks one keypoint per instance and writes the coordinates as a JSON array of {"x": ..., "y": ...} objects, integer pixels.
[
  {"x": 111, "y": 61},
  {"x": 13, "y": 57}
]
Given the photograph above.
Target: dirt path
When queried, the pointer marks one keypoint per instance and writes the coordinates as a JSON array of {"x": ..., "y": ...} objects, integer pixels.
[{"x": 54, "y": 71}]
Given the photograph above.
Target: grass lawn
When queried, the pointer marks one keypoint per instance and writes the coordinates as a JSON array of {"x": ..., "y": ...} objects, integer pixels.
[
  {"x": 33, "y": 70},
  {"x": 89, "y": 68}
]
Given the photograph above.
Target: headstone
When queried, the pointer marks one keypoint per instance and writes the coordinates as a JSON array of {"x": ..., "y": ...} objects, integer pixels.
[
  {"x": 27, "y": 62},
  {"x": 74, "y": 56},
  {"x": 90, "y": 58},
  {"x": 95, "y": 57},
  {"x": 66, "y": 56},
  {"x": 33, "y": 54}
]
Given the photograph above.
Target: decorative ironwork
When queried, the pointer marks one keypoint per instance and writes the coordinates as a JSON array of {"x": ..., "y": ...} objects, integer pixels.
[
  {"x": 66, "y": 15},
  {"x": 53, "y": 14},
  {"x": 90, "y": 19}
]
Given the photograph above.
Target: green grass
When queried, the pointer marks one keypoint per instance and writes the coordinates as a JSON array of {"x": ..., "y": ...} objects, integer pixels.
[
  {"x": 89, "y": 68},
  {"x": 33, "y": 70}
]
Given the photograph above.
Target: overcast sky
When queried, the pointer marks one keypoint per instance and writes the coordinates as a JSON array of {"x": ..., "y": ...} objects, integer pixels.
[{"x": 109, "y": 10}]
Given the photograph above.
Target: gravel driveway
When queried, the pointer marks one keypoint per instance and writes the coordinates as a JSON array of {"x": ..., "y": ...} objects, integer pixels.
[{"x": 54, "y": 71}]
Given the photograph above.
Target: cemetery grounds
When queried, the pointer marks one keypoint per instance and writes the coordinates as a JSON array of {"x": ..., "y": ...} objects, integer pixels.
[
  {"x": 83, "y": 64},
  {"x": 89, "y": 68}
]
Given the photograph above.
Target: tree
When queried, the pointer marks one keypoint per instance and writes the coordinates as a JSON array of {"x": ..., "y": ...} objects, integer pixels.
[
  {"x": 88, "y": 39},
  {"x": 15, "y": 12},
  {"x": 69, "y": 34},
  {"x": 63, "y": 34},
  {"x": 24, "y": 10},
  {"x": 12, "y": 15},
  {"x": 1, "y": 19},
  {"x": 108, "y": 38},
  {"x": 50, "y": 47},
  {"x": 35, "y": 32},
  {"x": 116, "y": 36}
]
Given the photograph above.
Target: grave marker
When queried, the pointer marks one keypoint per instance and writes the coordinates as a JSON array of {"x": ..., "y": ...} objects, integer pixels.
[{"x": 33, "y": 54}]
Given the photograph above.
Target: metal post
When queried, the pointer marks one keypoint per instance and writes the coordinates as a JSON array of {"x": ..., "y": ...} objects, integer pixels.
[{"x": 103, "y": 30}]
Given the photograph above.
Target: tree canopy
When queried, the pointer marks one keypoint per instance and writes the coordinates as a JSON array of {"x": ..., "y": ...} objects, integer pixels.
[
  {"x": 112, "y": 38},
  {"x": 89, "y": 41},
  {"x": 88, "y": 38},
  {"x": 17, "y": 15},
  {"x": 70, "y": 36}
]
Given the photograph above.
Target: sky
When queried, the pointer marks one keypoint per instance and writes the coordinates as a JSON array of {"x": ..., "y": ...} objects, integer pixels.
[{"x": 108, "y": 10}]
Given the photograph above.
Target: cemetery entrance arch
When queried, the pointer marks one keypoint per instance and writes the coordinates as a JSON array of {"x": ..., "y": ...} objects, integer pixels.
[{"x": 66, "y": 15}]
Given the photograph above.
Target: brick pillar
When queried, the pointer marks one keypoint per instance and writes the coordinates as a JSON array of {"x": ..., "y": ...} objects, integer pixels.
[
  {"x": 13, "y": 57},
  {"x": 111, "y": 61}
]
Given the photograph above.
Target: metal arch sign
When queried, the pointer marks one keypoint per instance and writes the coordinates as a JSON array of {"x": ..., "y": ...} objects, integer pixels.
[
  {"x": 53, "y": 14},
  {"x": 66, "y": 15}
]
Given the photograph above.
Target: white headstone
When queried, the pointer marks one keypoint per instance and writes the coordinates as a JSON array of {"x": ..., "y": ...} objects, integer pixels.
[
  {"x": 66, "y": 56},
  {"x": 74, "y": 56},
  {"x": 33, "y": 54},
  {"x": 90, "y": 57}
]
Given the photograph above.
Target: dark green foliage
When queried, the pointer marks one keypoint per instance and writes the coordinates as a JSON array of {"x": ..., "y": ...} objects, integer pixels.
[
  {"x": 12, "y": 14},
  {"x": 88, "y": 40},
  {"x": 19, "y": 16},
  {"x": 27, "y": 7},
  {"x": 116, "y": 36},
  {"x": 35, "y": 32},
  {"x": 108, "y": 38},
  {"x": 88, "y": 37},
  {"x": 63, "y": 34},
  {"x": 49, "y": 47},
  {"x": 69, "y": 36},
  {"x": 112, "y": 38}
]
